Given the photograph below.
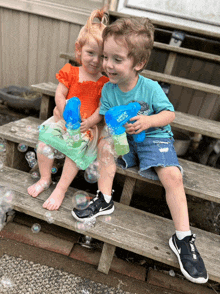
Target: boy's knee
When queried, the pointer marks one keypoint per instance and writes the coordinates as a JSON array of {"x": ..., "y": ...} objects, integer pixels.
[{"x": 171, "y": 176}]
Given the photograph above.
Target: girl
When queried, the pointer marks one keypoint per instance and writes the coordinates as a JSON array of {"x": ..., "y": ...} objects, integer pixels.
[{"x": 84, "y": 82}]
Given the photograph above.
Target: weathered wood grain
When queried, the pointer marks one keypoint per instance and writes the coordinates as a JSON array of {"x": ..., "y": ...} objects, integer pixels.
[
  {"x": 183, "y": 121},
  {"x": 199, "y": 180},
  {"x": 127, "y": 228},
  {"x": 197, "y": 124},
  {"x": 160, "y": 77}
]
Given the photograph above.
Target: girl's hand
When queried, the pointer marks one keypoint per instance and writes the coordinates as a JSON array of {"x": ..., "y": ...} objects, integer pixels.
[
  {"x": 142, "y": 122},
  {"x": 85, "y": 125}
]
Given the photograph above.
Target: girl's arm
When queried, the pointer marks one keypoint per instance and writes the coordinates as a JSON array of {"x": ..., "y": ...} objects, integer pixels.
[
  {"x": 144, "y": 122},
  {"x": 60, "y": 100},
  {"x": 94, "y": 119}
]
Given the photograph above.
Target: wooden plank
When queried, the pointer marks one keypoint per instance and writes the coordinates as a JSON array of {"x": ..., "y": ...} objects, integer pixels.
[
  {"x": 24, "y": 131},
  {"x": 185, "y": 51},
  {"x": 195, "y": 175},
  {"x": 45, "y": 88},
  {"x": 197, "y": 124},
  {"x": 183, "y": 120},
  {"x": 160, "y": 77},
  {"x": 45, "y": 107},
  {"x": 128, "y": 228}
]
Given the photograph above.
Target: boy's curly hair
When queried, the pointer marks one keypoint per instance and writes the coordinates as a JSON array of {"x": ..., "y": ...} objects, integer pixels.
[{"x": 137, "y": 34}]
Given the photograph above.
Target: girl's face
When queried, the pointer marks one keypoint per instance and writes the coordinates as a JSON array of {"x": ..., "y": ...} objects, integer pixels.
[
  {"x": 118, "y": 66},
  {"x": 91, "y": 57}
]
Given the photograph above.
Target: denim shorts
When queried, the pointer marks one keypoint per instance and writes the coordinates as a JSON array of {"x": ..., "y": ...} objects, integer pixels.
[{"x": 152, "y": 152}]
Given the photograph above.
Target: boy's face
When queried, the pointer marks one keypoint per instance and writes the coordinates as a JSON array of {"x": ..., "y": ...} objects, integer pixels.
[{"x": 118, "y": 66}]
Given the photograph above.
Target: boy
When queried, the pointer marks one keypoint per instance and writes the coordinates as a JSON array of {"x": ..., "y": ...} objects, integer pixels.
[{"x": 127, "y": 47}]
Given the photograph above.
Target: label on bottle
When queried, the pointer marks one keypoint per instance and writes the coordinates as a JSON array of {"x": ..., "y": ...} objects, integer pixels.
[{"x": 121, "y": 144}]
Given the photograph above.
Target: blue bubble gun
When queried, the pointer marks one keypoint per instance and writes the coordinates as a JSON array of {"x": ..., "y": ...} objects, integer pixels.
[
  {"x": 116, "y": 118},
  {"x": 72, "y": 117}
]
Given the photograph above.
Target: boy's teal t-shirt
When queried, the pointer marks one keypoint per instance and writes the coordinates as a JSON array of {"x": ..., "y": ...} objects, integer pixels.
[{"x": 150, "y": 96}]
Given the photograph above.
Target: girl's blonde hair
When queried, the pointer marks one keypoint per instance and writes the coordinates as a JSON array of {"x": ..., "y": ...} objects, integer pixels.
[{"x": 92, "y": 29}]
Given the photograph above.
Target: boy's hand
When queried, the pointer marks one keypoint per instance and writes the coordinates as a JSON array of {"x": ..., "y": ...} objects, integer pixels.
[
  {"x": 142, "y": 122},
  {"x": 85, "y": 125}
]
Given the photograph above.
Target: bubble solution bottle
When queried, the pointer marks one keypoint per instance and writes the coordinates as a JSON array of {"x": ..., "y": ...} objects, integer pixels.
[{"x": 71, "y": 115}]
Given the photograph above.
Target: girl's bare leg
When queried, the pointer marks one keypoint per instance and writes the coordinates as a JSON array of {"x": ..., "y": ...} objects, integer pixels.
[
  {"x": 171, "y": 179},
  {"x": 45, "y": 164},
  {"x": 70, "y": 170}
]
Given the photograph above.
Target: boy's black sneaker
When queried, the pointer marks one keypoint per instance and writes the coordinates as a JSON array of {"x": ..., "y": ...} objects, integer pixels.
[
  {"x": 190, "y": 261},
  {"x": 98, "y": 206}
]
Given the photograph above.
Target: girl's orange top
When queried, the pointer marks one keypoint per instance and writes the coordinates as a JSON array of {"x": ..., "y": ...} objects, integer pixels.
[{"x": 89, "y": 92}]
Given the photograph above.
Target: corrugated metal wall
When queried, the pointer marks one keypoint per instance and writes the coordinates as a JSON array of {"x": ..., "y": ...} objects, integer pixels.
[{"x": 30, "y": 46}]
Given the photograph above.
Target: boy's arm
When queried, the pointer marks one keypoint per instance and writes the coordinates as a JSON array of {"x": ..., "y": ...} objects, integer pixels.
[
  {"x": 144, "y": 122},
  {"x": 94, "y": 119}
]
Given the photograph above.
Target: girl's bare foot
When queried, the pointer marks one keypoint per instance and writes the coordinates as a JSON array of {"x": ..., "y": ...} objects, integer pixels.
[
  {"x": 38, "y": 187},
  {"x": 55, "y": 199}
]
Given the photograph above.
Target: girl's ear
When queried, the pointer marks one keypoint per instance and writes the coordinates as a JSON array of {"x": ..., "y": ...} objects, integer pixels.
[
  {"x": 140, "y": 65},
  {"x": 78, "y": 49}
]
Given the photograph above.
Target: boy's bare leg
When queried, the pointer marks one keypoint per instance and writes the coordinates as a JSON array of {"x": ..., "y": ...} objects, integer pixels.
[
  {"x": 106, "y": 167},
  {"x": 45, "y": 164},
  {"x": 171, "y": 179},
  {"x": 70, "y": 170}
]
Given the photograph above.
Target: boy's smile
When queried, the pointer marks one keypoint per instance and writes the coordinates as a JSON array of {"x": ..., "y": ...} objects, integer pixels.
[{"x": 118, "y": 66}]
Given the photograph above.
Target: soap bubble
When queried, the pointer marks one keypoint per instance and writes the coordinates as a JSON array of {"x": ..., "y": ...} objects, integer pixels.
[
  {"x": 48, "y": 151},
  {"x": 80, "y": 200},
  {"x": 35, "y": 175},
  {"x": 41, "y": 128},
  {"x": 86, "y": 225},
  {"x": 58, "y": 154},
  {"x": 32, "y": 163},
  {"x": 9, "y": 195},
  {"x": 22, "y": 147},
  {"x": 29, "y": 128},
  {"x": 48, "y": 217},
  {"x": 2, "y": 146},
  {"x": 91, "y": 174},
  {"x": 1, "y": 165},
  {"x": 30, "y": 155},
  {"x": 36, "y": 228},
  {"x": 54, "y": 170}
]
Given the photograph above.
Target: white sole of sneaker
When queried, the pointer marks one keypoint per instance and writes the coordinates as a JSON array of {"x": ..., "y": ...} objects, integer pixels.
[
  {"x": 186, "y": 275},
  {"x": 94, "y": 216}
]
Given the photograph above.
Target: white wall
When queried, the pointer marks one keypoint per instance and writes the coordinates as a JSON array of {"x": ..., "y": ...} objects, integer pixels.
[{"x": 194, "y": 14}]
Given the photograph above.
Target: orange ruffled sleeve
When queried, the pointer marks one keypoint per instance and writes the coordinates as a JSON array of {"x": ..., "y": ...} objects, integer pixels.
[{"x": 64, "y": 76}]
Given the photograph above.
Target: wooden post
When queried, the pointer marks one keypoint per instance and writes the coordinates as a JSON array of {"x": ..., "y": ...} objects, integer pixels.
[
  {"x": 128, "y": 190},
  {"x": 105, "y": 261},
  {"x": 15, "y": 158}
]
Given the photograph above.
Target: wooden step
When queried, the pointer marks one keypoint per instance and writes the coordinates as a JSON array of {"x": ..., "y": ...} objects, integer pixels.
[
  {"x": 199, "y": 180},
  {"x": 128, "y": 228},
  {"x": 183, "y": 121}
]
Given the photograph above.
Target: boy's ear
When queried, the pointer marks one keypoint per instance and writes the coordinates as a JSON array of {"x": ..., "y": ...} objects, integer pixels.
[{"x": 140, "y": 65}]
